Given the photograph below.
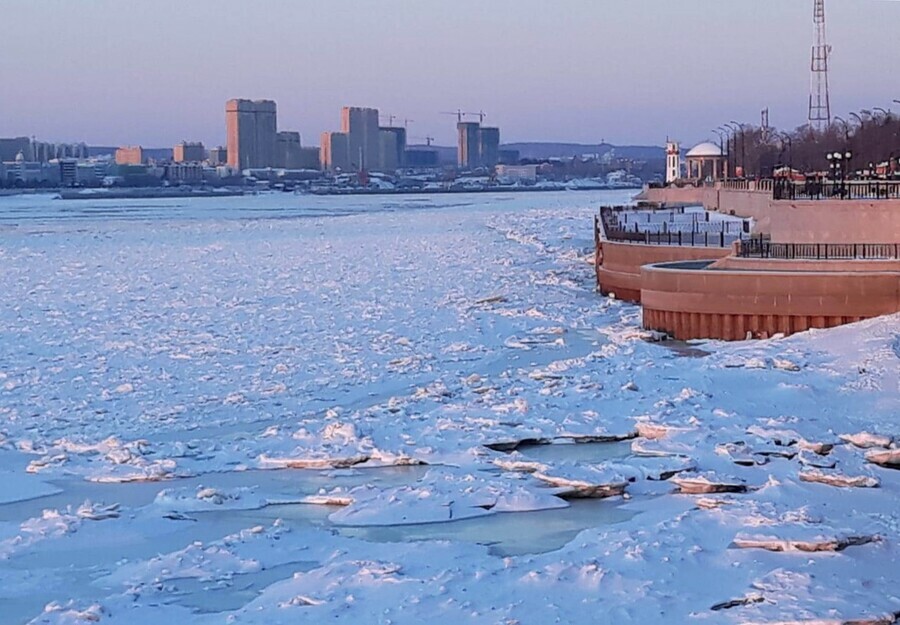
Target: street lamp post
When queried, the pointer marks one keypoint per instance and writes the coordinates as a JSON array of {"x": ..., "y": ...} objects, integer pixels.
[
  {"x": 839, "y": 163},
  {"x": 788, "y": 182},
  {"x": 743, "y": 147},
  {"x": 718, "y": 131},
  {"x": 728, "y": 142}
]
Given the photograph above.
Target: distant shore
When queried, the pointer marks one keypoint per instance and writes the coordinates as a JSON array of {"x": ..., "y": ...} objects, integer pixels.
[{"x": 168, "y": 193}]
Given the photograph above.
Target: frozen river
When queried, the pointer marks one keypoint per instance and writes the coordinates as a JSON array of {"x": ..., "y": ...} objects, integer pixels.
[{"x": 282, "y": 409}]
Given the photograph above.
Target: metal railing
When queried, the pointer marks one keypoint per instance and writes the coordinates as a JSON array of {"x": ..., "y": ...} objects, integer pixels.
[
  {"x": 763, "y": 248},
  {"x": 698, "y": 233},
  {"x": 683, "y": 239},
  {"x": 837, "y": 190}
]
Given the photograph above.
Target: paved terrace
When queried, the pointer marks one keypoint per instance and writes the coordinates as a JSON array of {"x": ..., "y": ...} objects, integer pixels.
[{"x": 682, "y": 226}]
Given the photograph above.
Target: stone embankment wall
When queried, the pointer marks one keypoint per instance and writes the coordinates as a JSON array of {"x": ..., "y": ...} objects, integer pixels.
[
  {"x": 732, "y": 304},
  {"x": 619, "y": 264}
]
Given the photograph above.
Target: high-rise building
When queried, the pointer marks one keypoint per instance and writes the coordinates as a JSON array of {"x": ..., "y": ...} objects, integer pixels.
[
  {"x": 361, "y": 127},
  {"x": 468, "y": 148},
  {"x": 393, "y": 160},
  {"x": 43, "y": 152},
  {"x": 387, "y": 156},
  {"x": 133, "y": 155},
  {"x": 308, "y": 158},
  {"x": 334, "y": 151},
  {"x": 10, "y": 148},
  {"x": 489, "y": 146},
  {"x": 289, "y": 156},
  {"x": 252, "y": 133},
  {"x": 186, "y": 152}
]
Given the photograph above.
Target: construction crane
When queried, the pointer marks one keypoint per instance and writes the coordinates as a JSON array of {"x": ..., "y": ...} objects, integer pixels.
[
  {"x": 819, "y": 96},
  {"x": 458, "y": 113},
  {"x": 480, "y": 115},
  {"x": 390, "y": 119},
  {"x": 427, "y": 140},
  {"x": 407, "y": 122}
]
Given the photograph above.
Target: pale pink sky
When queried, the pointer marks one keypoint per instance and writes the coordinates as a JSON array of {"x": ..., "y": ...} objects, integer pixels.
[{"x": 628, "y": 71}]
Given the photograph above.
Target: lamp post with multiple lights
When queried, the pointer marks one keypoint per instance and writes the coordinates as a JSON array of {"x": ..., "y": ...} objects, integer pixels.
[{"x": 839, "y": 163}]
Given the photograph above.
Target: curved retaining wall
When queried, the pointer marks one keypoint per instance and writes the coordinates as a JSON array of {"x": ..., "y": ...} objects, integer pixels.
[
  {"x": 619, "y": 265},
  {"x": 691, "y": 303}
]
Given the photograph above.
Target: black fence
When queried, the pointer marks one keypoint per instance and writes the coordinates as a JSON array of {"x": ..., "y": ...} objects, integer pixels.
[
  {"x": 836, "y": 190},
  {"x": 763, "y": 248},
  {"x": 698, "y": 234},
  {"x": 691, "y": 239}
]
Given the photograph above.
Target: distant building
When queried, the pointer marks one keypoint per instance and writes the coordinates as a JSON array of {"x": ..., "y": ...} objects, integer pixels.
[
  {"x": 309, "y": 158},
  {"x": 68, "y": 172},
  {"x": 468, "y": 145},
  {"x": 79, "y": 173},
  {"x": 387, "y": 144},
  {"x": 421, "y": 158},
  {"x": 11, "y": 147},
  {"x": 184, "y": 172},
  {"x": 395, "y": 159},
  {"x": 488, "y": 146},
  {"x": 288, "y": 153},
  {"x": 673, "y": 162},
  {"x": 133, "y": 155},
  {"x": 22, "y": 172},
  {"x": 362, "y": 130},
  {"x": 252, "y": 133},
  {"x": 218, "y": 156},
  {"x": 189, "y": 153},
  {"x": 334, "y": 151},
  {"x": 517, "y": 173},
  {"x": 44, "y": 152}
]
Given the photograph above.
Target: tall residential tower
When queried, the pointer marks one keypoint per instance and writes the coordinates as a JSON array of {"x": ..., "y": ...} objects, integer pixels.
[
  {"x": 252, "y": 134},
  {"x": 361, "y": 127}
]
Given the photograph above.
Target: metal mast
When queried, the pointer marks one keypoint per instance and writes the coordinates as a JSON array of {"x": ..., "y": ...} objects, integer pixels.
[{"x": 819, "y": 98}]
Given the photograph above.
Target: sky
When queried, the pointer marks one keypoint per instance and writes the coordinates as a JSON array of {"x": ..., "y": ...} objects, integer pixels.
[{"x": 155, "y": 72}]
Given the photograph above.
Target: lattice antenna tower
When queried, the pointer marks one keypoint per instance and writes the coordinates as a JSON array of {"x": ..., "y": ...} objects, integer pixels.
[{"x": 819, "y": 97}]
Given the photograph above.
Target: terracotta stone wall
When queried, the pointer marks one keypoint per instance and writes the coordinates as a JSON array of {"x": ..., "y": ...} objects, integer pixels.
[
  {"x": 835, "y": 222},
  {"x": 674, "y": 195},
  {"x": 619, "y": 264},
  {"x": 807, "y": 221},
  {"x": 689, "y": 303},
  {"x": 768, "y": 264}
]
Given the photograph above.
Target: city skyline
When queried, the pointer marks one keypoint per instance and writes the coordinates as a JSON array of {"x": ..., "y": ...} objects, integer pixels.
[{"x": 576, "y": 74}]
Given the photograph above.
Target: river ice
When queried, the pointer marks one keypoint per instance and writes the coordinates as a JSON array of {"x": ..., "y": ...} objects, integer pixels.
[{"x": 282, "y": 409}]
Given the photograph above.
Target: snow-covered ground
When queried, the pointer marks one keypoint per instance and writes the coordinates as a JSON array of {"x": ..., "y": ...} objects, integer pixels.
[{"x": 282, "y": 409}]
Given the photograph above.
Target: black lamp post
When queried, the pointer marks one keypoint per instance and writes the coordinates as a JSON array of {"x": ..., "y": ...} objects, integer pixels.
[
  {"x": 743, "y": 147},
  {"x": 839, "y": 163},
  {"x": 728, "y": 130},
  {"x": 719, "y": 132},
  {"x": 786, "y": 182}
]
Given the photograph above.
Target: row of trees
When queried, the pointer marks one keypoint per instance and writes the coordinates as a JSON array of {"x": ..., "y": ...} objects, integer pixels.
[{"x": 871, "y": 137}]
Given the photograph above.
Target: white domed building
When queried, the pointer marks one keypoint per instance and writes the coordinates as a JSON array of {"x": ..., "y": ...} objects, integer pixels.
[{"x": 705, "y": 161}]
